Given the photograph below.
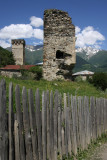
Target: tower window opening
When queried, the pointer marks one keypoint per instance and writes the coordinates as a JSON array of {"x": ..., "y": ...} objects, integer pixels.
[{"x": 59, "y": 54}]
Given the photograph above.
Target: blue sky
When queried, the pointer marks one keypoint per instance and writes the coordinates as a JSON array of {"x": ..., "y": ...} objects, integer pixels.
[{"x": 24, "y": 19}]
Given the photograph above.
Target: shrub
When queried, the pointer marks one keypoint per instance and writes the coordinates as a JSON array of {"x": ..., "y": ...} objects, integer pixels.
[
  {"x": 100, "y": 80},
  {"x": 37, "y": 71}
]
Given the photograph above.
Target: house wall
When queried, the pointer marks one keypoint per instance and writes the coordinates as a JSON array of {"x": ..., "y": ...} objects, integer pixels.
[
  {"x": 59, "y": 37},
  {"x": 10, "y": 74}
]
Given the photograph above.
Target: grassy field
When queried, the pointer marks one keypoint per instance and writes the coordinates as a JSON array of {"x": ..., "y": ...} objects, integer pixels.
[{"x": 74, "y": 88}]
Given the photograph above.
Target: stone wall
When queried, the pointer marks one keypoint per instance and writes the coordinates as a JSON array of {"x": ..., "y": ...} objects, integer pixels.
[
  {"x": 18, "y": 50},
  {"x": 59, "y": 45},
  {"x": 10, "y": 74}
]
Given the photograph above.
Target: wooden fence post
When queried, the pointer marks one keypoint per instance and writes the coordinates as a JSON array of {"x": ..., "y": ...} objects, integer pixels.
[
  {"x": 33, "y": 125},
  {"x": 3, "y": 123},
  {"x": 11, "y": 124},
  {"x": 44, "y": 125},
  {"x": 39, "y": 124},
  {"x": 55, "y": 123},
  {"x": 20, "y": 123},
  {"x": 26, "y": 121},
  {"x": 51, "y": 126}
]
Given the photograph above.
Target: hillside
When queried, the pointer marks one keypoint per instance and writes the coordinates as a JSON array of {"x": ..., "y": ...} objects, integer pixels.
[
  {"x": 6, "y": 57},
  {"x": 82, "y": 64}
]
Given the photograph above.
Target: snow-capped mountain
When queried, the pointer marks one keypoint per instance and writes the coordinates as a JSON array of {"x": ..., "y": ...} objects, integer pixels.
[
  {"x": 34, "y": 48},
  {"x": 87, "y": 52}
]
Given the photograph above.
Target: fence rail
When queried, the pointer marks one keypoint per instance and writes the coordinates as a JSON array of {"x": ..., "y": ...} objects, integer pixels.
[{"x": 59, "y": 127}]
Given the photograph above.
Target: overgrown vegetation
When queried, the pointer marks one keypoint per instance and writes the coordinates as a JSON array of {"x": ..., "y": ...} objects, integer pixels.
[
  {"x": 99, "y": 80},
  {"x": 6, "y": 57}
]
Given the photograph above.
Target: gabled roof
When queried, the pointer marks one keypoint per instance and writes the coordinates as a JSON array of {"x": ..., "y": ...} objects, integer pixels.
[
  {"x": 17, "y": 67},
  {"x": 83, "y": 73}
]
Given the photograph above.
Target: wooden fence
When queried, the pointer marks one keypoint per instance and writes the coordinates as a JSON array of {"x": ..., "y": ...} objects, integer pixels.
[{"x": 57, "y": 127}]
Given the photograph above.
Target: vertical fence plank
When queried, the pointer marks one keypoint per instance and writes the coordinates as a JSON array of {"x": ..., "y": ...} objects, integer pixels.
[
  {"x": 26, "y": 121},
  {"x": 74, "y": 139},
  {"x": 48, "y": 126},
  {"x": 20, "y": 123},
  {"x": 11, "y": 124},
  {"x": 51, "y": 127},
  {"x": 59, "y": 127},
  {"x": 55, "y": 123},
  {"x": 3, "y": 123},
  {"x": 69, "y": 126},
  {"x": 17, "y": 147},
  {"x": 33, "y": 125},
  {"x": 66, "y": 125},
  {"x": 39, "y": 124},
  {"x": 44, "y": 125}
]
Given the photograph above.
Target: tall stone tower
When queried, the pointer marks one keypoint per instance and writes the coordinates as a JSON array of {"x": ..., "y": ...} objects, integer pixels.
[
  {"x": 59, "y": 45},
  {"x": 18, "y": 50}
]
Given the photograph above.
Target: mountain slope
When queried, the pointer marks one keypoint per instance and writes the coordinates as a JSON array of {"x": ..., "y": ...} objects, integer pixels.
[
  {"x": 82, "y": 64},
  {"x": 99, "y": 59}
]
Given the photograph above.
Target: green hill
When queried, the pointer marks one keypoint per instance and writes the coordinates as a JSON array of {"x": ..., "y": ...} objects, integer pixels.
[
  {"x": 99, "y": 59},
  {"x": 33, "y": 57},
  {"x": 6, "y": 57},
  {"x": 82, "y": 64}
]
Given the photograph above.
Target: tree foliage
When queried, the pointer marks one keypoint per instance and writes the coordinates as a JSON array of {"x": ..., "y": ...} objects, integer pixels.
[
  {"x": 6, "y": 57},
  {"x": 99, "y": 80}
]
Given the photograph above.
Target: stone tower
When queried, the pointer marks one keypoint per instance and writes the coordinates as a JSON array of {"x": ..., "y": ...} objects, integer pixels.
[
  {"x": 59, "y": 55},
  {"x": 18, "y": 50}
]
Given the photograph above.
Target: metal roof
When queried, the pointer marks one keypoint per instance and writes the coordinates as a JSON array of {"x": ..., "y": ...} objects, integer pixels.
[{"x": 83, "y": 73}]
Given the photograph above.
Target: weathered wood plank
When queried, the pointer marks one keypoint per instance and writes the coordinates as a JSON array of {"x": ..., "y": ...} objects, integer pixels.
[
  {"x": 3, "y": 123},
  {"x": 39, "y": 124},
  {"x": 51, "y": 127},
  {"x": 33, "y": 125},
  {"x": 59, "y": 127},
  {"x": 55, "y": 123},
  {"x": 11, "y": 124},
  {"x": 74, "y": 139},
  {"x": 26, "y": 122},
  {"x": 17, "y": 146},
  {"x": 20, "y": 123},
  {"x": 44, "y": 125},
  {"x": 48, "y": 126}
]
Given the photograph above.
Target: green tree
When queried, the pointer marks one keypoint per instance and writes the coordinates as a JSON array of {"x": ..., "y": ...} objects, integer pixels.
[{"x": 6, "y": 57}]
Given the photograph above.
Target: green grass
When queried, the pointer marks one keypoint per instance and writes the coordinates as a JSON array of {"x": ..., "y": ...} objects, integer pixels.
[{"x": 74, "y": 88}]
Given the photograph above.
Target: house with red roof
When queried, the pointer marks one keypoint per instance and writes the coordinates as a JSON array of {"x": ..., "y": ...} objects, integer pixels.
[{"x": 11, "y": 70}]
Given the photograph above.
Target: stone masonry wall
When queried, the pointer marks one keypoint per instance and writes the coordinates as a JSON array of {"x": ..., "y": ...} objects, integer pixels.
[
  {"x": 59, "y": 45},
  {"x": 18, "y": 50}
]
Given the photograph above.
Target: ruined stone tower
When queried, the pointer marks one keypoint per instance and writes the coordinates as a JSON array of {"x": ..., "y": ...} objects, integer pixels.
[
  {"x": 18, "y": 50},
  {"x": 59, "y": 45}
]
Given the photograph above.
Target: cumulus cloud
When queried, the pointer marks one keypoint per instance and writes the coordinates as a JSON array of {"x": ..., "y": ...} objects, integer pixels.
[
  {"x": 88, "y": 37},
  {"x": 38, "y": 33},
  {"x": 16, "y": 31},
  {"x": 36, "y": 22},
  {"x": 4, "y": 44}
]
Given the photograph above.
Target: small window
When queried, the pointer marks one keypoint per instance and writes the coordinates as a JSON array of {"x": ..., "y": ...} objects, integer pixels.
[{"x": 59, "y": 54}]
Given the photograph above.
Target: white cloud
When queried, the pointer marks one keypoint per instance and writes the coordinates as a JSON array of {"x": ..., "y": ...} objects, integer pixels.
[
  {"x": 16, "y": 31},
  {"x": 38, "y": 33},
  {"x": 4, "y": 44},
  {"x": 77, "y": 29},
  {"x": 88, "y": 37},
  {"x": 36, "y": 22}
]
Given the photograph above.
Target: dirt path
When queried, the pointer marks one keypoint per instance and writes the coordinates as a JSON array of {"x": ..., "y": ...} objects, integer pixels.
[{"x": 100, "y": 153}]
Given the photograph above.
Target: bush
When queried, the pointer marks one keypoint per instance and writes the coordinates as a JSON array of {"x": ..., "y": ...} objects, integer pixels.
[
  {"x": 100, "y": 80},
  {"x": 37, "y": 71}
]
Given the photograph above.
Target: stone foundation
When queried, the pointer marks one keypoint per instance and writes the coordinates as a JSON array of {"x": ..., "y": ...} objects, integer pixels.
[{"x": 10, "y": 74}]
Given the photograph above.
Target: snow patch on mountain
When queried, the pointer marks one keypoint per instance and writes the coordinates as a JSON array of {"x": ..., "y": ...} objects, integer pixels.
[{"x": 87, "y": 51}]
